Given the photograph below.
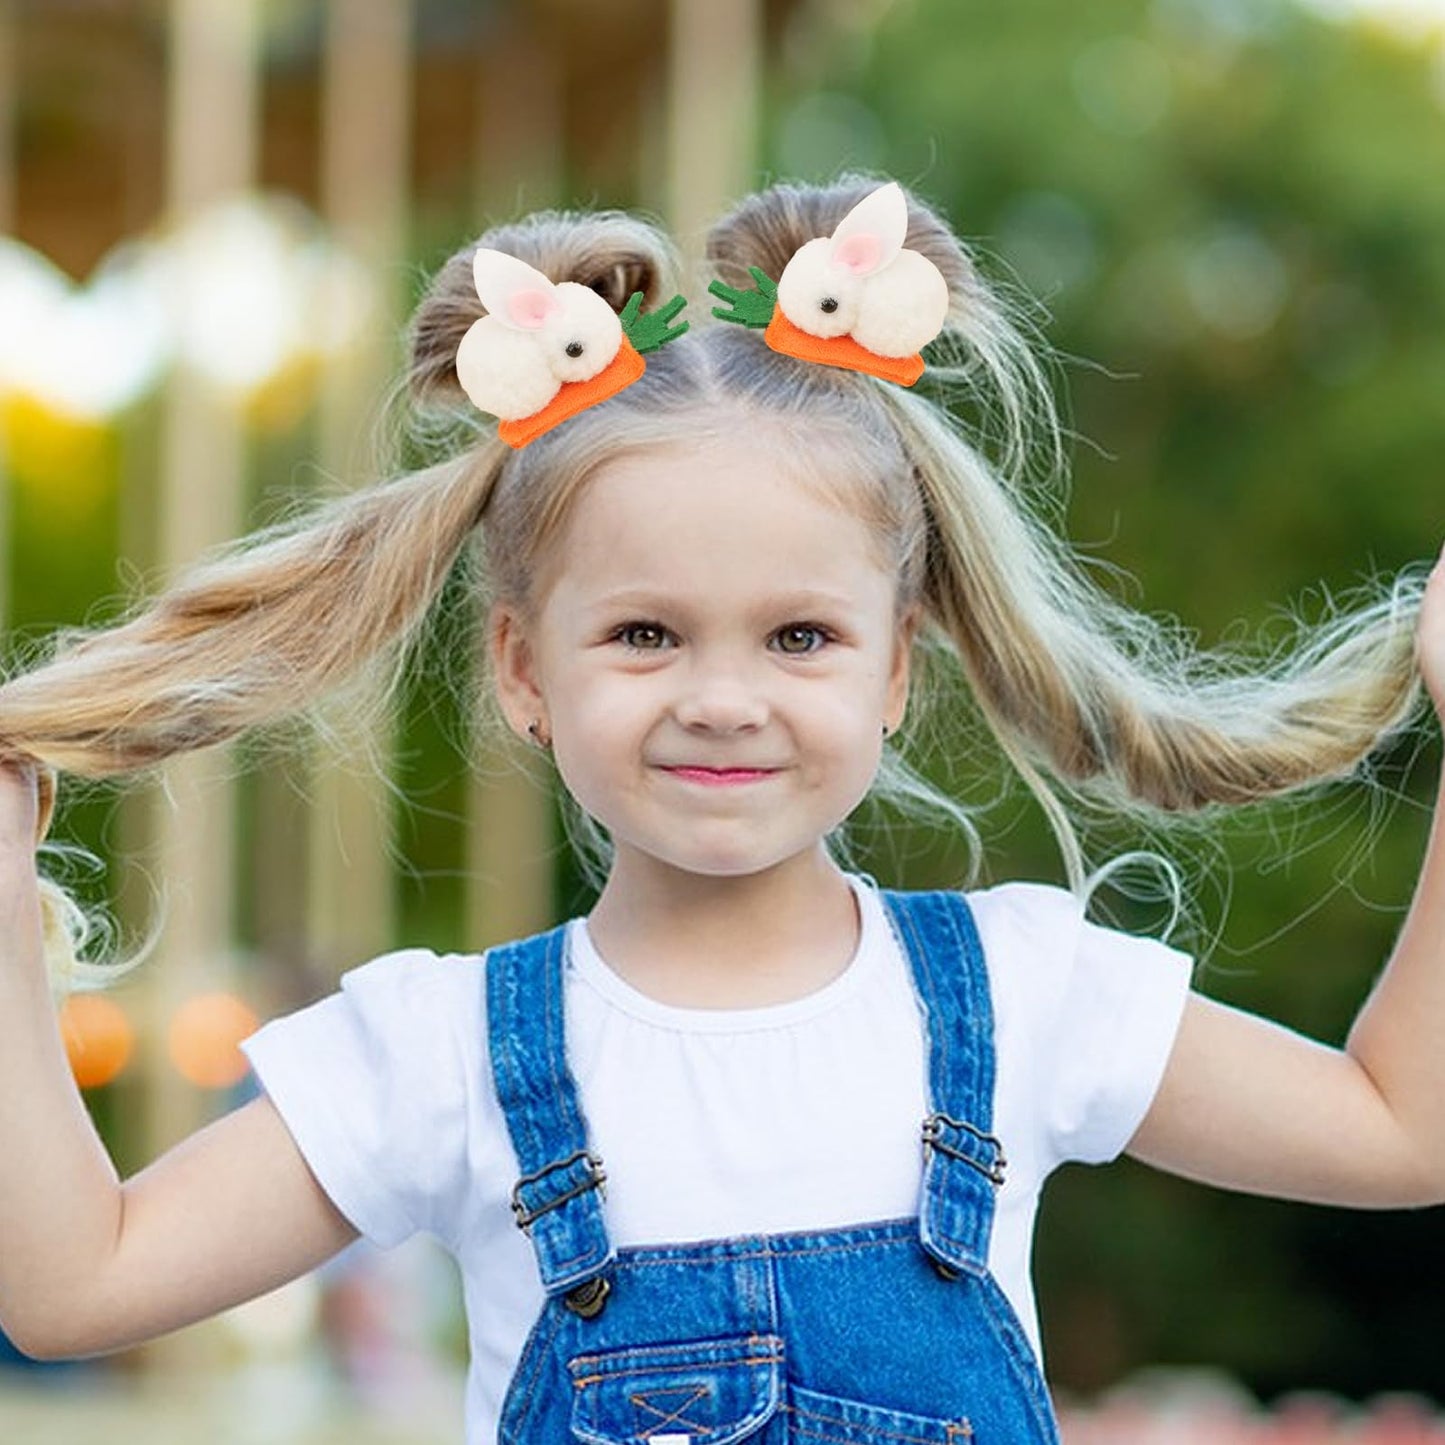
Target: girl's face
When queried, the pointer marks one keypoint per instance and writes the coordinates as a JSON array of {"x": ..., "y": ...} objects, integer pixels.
[{"x": 715, "y": 660}]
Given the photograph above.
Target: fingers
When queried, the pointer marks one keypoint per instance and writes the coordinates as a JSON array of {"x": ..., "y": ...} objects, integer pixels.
[
  {"x": 1430, "y": 639},
  {"x": 45, "y": 786},
  {"x": 39, "y": 780},
  {"x": 19, "y": 802}
]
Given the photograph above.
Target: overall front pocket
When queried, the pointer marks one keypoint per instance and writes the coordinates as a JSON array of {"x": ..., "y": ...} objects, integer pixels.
[
  {"x": 818, "y": 1419},
  {"x": 703, "y": 1392}
]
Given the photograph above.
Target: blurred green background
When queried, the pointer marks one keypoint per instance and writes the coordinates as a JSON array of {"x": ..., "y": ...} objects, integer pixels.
[{"x": 1228, "y": 220}]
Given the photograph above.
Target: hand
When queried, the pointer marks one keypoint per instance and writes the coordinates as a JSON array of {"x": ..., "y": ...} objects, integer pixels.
[
  {"x": 21, "y": 807},
  {"x": 1430, "y": 637}
]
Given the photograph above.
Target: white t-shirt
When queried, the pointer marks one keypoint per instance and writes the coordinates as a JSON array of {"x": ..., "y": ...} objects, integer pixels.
[{"x": 716, "y": 1122}]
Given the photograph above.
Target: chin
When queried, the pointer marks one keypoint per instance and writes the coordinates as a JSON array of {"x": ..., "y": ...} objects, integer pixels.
[
  {"x": 740, "y": 863},
  {"x": 721, "y": 866}
]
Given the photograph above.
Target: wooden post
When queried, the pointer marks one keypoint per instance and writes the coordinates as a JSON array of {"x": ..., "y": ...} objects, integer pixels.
[
  {"x": 520, "y": 148},
  {"x": 211, "y": 140},
  {"x": 714, "y": 69},
  {"x": 511, "y": 846},
  {"x": 520, "y": 137},
  {"x": 9, "y": 83},
  {"x": 365, "y": 144}
]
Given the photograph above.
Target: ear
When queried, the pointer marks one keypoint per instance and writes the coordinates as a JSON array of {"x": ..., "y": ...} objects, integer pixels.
[
  {"x": 518, "y": 295},
  {"x": 514, "y": 670},
  {"x": 872, "y": 233},
  {"x": 896, "y": 699}
]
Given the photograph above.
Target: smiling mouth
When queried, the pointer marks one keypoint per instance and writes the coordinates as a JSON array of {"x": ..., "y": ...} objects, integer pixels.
[{"x": 721, "y": 777}]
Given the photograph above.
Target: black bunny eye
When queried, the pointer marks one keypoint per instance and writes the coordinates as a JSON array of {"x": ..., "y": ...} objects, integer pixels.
[
  {"x": 574, "y": 348},
  {"x": 828, "y": 304}
]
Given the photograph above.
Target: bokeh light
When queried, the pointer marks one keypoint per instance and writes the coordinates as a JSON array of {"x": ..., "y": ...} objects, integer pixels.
[
  {"x": 1123, "y": 85},
  {"x": 204, "y": 1036},
  {"x": 99, "y": 1038}
]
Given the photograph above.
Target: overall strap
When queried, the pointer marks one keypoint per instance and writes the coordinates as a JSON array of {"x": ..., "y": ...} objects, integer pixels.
[
  {"x": 963, "y": 1163},
  {"x": 556, "y": 1199}
]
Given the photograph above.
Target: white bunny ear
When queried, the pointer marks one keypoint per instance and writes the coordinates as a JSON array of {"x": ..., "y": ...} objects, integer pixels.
[
  {"x": 517, "y": 294},
  {"x": 872, "y": 233}
]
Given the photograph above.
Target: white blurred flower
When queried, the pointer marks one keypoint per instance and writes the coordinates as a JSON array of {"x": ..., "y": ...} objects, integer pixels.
[
  {"x": 88, "y": 352},
  {"x": 238, "y": 293},
  {"x": 254, "y": 285}
]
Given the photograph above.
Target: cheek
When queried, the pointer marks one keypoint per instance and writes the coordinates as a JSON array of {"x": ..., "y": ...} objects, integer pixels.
[
  {"x": 599, "y": 718},
  {"x": 848, "y": 731}
]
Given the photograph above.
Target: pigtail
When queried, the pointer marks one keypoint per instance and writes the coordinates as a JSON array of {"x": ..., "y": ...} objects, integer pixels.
[
  {"x": 260, "y": 632},
  {"x": 251, "y": 636},
  {"x": 1108, "y": 701}
]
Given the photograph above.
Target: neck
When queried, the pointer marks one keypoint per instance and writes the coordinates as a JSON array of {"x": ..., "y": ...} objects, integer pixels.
[{"x": 694, "y": 940}]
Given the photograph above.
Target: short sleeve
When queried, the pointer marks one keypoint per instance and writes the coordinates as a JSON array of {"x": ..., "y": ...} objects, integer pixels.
[
  {"x": 371, "y": 1085},
  {"x": 1089, "y": 1013}
]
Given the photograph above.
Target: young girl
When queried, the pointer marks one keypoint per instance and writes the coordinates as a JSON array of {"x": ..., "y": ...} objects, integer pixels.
[{"x": 823, "y": 1111}]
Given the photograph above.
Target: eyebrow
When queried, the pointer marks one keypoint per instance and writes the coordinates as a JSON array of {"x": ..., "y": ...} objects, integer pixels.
[{"x": 798, "y": 600}]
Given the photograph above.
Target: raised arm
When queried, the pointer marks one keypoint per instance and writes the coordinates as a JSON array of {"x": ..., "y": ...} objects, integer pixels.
[
  {"x": 88, "y": 1264},
  {"x": 1250, "y": 1105}
]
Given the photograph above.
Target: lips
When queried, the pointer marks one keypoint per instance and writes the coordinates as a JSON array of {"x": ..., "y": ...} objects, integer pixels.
[{"x": 720, "y": 777}]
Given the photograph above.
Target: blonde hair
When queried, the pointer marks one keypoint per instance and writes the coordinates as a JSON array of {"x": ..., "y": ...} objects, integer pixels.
[{"x": 1093, "y": 703}]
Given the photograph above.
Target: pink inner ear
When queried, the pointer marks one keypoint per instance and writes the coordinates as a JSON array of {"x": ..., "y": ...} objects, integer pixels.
[
  {"x": 860, "y": 254},
  {"x": 529, "y": 309}
]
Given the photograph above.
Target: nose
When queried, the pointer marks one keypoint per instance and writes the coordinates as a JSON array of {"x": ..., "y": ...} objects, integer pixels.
[{"x": 718, "y": 695}]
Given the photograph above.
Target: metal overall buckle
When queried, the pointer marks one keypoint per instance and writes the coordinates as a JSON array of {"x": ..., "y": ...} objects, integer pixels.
[
  {"x": 933, "y": 1127},
  {"x": 595, "y": 1177}
]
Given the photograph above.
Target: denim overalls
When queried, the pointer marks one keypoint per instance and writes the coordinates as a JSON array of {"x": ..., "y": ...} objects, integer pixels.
[{"x": 883, "y": 1333}]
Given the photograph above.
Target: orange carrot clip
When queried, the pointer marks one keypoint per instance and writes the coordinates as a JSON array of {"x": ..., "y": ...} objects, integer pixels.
[
  {"x": 639, "y": 334},
  {"x": 757, "y": 307},
  {"x": 575, "y": 396},
  {"x": 842, "y": 351}
]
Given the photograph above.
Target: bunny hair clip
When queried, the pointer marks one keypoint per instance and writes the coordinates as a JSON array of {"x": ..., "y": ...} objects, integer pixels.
[
  {"x": 546, "y": 350},
  {"x": 858, "y": 299}
]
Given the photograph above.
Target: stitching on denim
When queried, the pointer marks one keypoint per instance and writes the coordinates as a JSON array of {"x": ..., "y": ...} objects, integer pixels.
[
  {"x": 551, "y": 983},
  {"x": 672, "y": 1417},
  {"x": 766, "y": 1342},
  {"x": 559, "y": 1266},
  {"x": 1018, "y": 1355},
  {"x": 583, "y": 1380},
  {"x": 540, "y": 1352},
  {"x": 954, "y": 1213},
  {"x": 643, "y": 1262},
  {"x": 917, "y": 956},
  {"x": 535, "y": 1120},
  {"x": 937, "y": 1031},
  {"x": 953, "y": 1429},
  {"x": 519, "y": 1114},
  {"x": 901, "y": 1229},
  {"x": 946, "y": 911}
]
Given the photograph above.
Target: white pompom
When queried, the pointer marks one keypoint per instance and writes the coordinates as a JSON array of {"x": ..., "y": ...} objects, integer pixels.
[
  {"x": 505, "y": 372},
  {"x": 817, "y": 296},
  {"x": 903, "y": 307},
  {"x": 585, "y": 323}
]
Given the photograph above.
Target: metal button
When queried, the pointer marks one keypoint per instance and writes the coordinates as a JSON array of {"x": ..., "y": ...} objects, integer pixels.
[
  {"x": 944, "y": 1271},
  {"x": 589, "y": 1297}
]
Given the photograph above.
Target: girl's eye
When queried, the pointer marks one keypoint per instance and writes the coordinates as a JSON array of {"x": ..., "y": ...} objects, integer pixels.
[
  {"x": 799, "y": 638},
  {"x": 642, "y": 636}
]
